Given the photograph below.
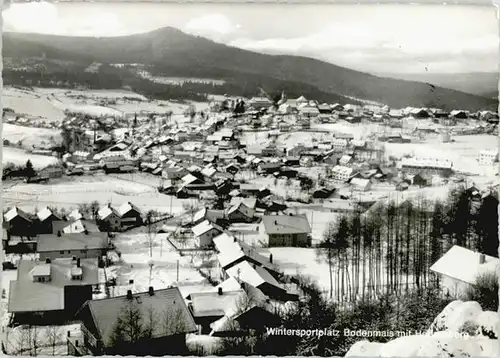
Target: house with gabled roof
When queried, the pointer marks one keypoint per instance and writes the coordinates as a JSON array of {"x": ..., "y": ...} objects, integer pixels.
[
  {"x": 51, "y": 287},
  {"x": 109, "y": 219},
  {"x": 287, "y": 230},
  {"x": 232, "y": 251},
  {"x": 208, "y": 307},
  {"x": 167, "y": 336},
  {"x": 205, "y": 231},
  {"x": 240, "y": 213},
  {"x": 455, "y": 279},
  {"x": 45, "y": 218},
  {"x": 174, "y": 173},
  {"x": 258, "y": 277},
  {"x": 130, "y": 215},
  {"x": 85, "y": 245},
  {"x": 75, "y": 215},
  {"x": 211, "y": 215},
  {"x": 19, "y": 223},
  {"x": 208, "y": 172},
  {"x": 62, "y": 227}
]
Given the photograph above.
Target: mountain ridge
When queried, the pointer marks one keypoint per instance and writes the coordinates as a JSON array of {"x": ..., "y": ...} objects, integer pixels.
[{"x": 172, "y": 52}]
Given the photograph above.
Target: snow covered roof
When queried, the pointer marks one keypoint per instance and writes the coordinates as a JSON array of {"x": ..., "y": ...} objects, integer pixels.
[
  {"x": 106, "y": 211},
  {"x": 75, "y": 215},
  {"x": 464, "y": 265},
  {"x": 188, "y": 179},
  {"x": 231, "y": 284},
  {"x": 15, "y": 211},
  {"x": 286, "y": 224},
  {"x": 126, "y": 207},
  {"x": 44, "y": 213},
  {"x": 345, "y": 159},
  {"x": 214, "y": 304},
  {"x": 427, "y": 162},
  {"x": 224, "y": 242},
  {"x": 339, "y": 169},
  {"x": 200, "y": 214},
  {"x": 209, "y": 172},
  {"x": 249, "y": 202},
  {"x": 360, "y": 182},
  {"x": 203, "y": 227},
  {"x": 252, "y": 274}
]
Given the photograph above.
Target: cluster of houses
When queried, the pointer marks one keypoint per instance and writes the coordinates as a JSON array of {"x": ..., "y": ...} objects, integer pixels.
[
  {"x": 325, "y": 112},
  {"x": 47, "y": 221},
  {"x": 277, "y": 228}
]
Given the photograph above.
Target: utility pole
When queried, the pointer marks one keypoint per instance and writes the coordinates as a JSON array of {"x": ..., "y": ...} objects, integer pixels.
[{"x": 171, "y": 205}]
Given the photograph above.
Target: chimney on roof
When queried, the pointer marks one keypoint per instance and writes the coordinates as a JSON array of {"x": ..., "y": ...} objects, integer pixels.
[
  {"x": 78, "y": 262},
  {"x": 151, "y": 291},
  {"x": 47, "y": 260},
  {"x": 129, "y": 294},
  {"x": 219, "y": 291},
  {"x": 482, "y": 258}
]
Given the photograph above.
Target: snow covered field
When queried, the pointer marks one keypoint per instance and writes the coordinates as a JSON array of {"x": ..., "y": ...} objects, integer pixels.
[
  {"x": 29, "y": 136},
  {"x": 20, "y": 157},
  {"x": 463, "y": 152},
  {"x": 89, "y": 109},
  {"x": 302, "y": 261},
  {"x": 69, "y": 194},
  {"x": 102, "y": 94},
  {"x": 31, "y": 103}
]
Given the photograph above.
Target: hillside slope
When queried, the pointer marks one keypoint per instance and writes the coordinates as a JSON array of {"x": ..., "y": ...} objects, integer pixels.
[
  {"x": 479, "y": 83},
  {"x": 174, "y": 53}
]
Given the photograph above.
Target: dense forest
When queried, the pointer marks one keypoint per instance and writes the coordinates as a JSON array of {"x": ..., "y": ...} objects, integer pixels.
[{"x": 109, "y": 77}]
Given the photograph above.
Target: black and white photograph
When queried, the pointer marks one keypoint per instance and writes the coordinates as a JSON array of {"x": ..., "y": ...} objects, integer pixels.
[{"x": 250, "y": 179}]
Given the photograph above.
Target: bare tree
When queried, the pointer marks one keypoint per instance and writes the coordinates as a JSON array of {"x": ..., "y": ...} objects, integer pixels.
[
  {"x": 33, "y": 335},
  {"x": 22, "y": 342},
  {"x": 83, "y": 208},
  {"x": 172, "y": 321},
  {"x": 190, "y": 208},
  {"x": 151, "y": 323},
  {"x": 129, "y": 327},
  {"x": 53, "y": 333},
  {"x": 151, "y": 216},
  {"x": 94, "y": 209}
]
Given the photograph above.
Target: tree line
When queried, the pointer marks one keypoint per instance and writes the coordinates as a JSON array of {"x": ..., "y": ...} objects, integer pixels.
[{"x": 390, "y": 248}]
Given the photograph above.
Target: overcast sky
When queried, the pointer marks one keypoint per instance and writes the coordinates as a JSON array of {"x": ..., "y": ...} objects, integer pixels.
[{"x": 371, "y": 38}]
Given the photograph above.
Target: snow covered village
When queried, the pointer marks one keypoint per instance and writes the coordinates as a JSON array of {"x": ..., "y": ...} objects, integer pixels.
[{"x": 153, "y": 210}]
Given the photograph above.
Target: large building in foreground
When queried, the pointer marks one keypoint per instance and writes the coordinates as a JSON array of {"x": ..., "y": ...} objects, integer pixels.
[{"x": 427, "y": 165}]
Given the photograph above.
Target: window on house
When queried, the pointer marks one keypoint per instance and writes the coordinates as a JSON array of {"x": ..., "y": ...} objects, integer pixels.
[
  {"x": 82, "y": 251},
  {"x": 61, "y": 252},
  {"x": 69, "y": 251}
]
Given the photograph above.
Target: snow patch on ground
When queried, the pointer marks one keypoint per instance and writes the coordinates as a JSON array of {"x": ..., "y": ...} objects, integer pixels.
[
  {"x": 19, "y": 157},
  {"x": 445, "y": 337},
  {"x": 29, "y": 136}
]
